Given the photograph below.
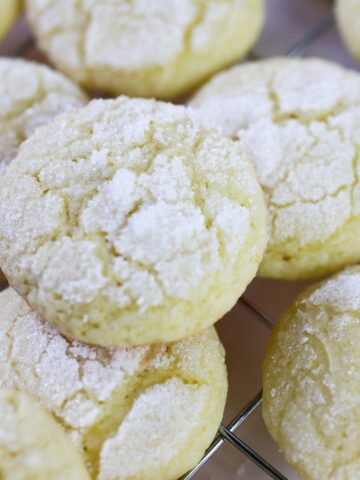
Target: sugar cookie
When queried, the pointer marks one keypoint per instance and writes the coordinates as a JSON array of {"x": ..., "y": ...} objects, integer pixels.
[
  {"x": 32, "y": 445},
  {"x": 149, "y": 48},
  {"x": 135, "y": 413},
  {"x": 312, "y": 380},
  {"x": 127, "y": 222},
  {"x": 9, "y": 12},
  {"x": 298, "y": 120},
  {"x": 348, "y": 20},
  {"x": 30, "y": 96}
]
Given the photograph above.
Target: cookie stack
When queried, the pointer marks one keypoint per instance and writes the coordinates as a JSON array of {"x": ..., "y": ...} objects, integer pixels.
[
  {"x": 118, "y": 224},
  {"x": 129, "y": 226}
]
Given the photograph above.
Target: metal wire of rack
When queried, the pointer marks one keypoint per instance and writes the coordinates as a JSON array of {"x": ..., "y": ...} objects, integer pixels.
[{"x": 226, "y": 433}]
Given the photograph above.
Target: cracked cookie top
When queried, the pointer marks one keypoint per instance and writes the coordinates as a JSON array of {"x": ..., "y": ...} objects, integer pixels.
[
  {"x": 144, "y": 47},
  {"x": 298, "y": 122},
  {"x": 30, "y": 96},
  {"x": 32, "y": 444},
  {"x": 312, "y": 380},
  {"x": 127, "y": 222},
  {"x": 140, "y": 412}
]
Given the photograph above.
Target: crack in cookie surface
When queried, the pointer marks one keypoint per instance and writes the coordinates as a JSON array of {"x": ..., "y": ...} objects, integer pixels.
[
  {"x": 117, "y": 403},
  {"x": 297, "y": 120},
  {"x": 126, "y": 209}
]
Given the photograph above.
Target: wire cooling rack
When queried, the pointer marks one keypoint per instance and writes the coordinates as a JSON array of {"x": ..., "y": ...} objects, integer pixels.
[{"x": 226, "y": 433}]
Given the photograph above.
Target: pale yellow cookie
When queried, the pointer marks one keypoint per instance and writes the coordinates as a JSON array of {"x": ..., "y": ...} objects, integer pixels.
[
  {"x": 140, "y": 413},
  {"x": 32, "y": 445},
  {"x": 30, "y": 96},
  {"x": 299, "y": 122},
  {"x": 312, "y": 380},
  {"x": 348, "y": 20},
  {"x": 158, "y": 48},
  {"x": 127, "y": 222},
  {"x": 9, "y": 12}
]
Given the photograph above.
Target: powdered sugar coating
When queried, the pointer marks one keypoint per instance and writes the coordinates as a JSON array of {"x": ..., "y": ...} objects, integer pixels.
[
  {"x": 121, "y": 220},
  {"x": 32, "y": 444},
  {"x": 118, "y": 403},
  {"x": 160, "y": 408},
  {"x": 312, "y": 380},
  {"x": 298, "y": 122},
  {"x": 341, "y": 292},
  {"x": 144, "y": 47},
  {"x": 30, "y": 96}
]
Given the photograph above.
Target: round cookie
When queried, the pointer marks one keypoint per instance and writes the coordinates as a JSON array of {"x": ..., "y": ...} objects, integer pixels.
[
  {"x": 312, "y": 380},
  {"x": 127, "y": 222},
  {"x": 298, "y": 120},
  {"x": 30, "y": 95},
  {"x": 148, "y": 48},
  {"x": 347, "y": 13},
  {"x": 32, "y": 445},
  {"x": 9, "y": 12},
  {"x": 139, "y": 413}
]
